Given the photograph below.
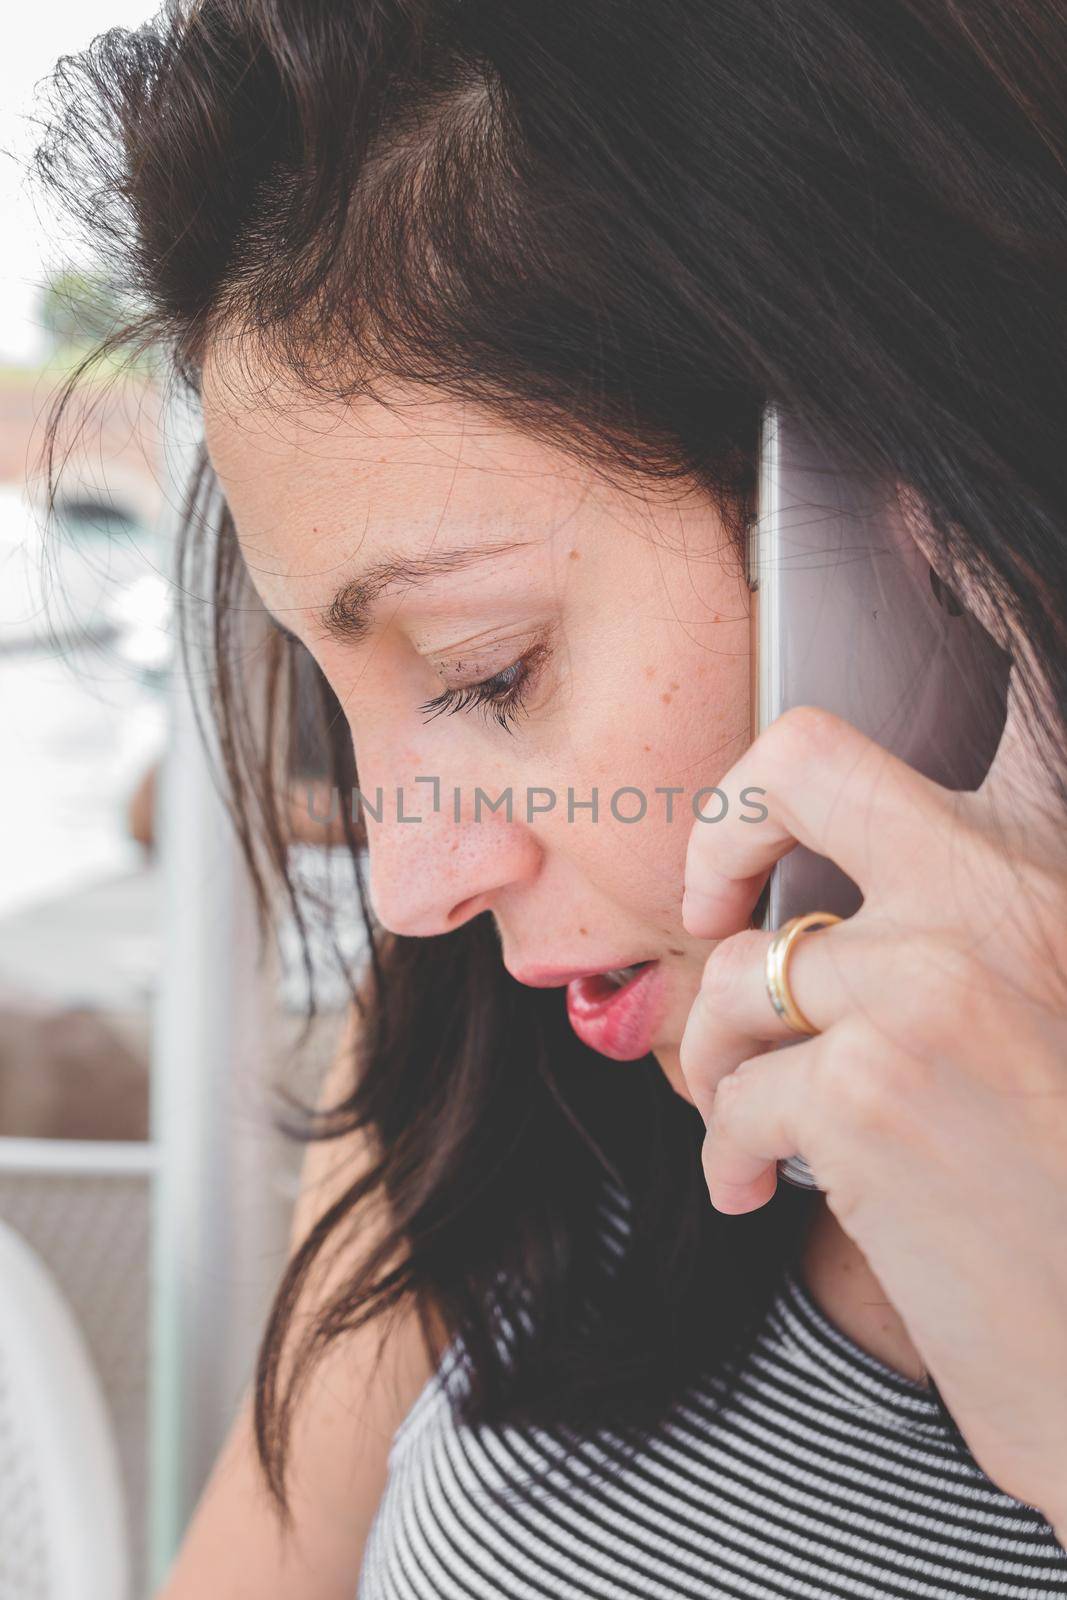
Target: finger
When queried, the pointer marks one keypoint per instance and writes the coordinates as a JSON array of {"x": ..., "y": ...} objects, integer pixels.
[
  {"x": 710, "y": 1048},
  {"x": 756, "y": 1120},
  {"x": 735, "y": 899},
  {"x": 732, "y": 1017},
  {"x": 909, "y": 986},
  {"x": 824, "y": 785},
  {"x": 831, "y": 971}
]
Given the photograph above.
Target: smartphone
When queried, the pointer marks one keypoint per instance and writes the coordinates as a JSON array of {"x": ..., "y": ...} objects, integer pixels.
[{"x": 847, "y": 614}]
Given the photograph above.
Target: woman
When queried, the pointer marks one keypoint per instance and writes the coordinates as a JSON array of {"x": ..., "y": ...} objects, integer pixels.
[{"x": 482, "y": 302}]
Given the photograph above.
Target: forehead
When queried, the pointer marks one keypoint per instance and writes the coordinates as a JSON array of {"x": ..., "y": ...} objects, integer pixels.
[{"x": 405, "y": 463}]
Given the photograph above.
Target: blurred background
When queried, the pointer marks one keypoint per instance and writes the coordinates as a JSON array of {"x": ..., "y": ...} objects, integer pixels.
[{"x": 145, "y": 1192}]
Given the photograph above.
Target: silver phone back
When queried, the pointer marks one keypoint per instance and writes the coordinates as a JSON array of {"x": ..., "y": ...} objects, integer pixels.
[{"x": 847, "y": 615}]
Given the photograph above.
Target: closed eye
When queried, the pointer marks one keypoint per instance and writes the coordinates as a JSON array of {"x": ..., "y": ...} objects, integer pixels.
[{"x": 501, "y": 697}]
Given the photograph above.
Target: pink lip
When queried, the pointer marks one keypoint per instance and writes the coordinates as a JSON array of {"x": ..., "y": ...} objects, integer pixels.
[
  {"x": 620, "y": 1023},
  {"x": 556, "y": 977}
]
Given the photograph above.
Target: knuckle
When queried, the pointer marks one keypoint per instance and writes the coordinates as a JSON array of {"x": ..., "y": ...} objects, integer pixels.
[
  {"x": 834, "y": 1062},
  {"x": 806, "y": 731},
  {"x": 856, "y": 1077},
  {"x": 948, "y": 965},
  {"x": 944, "y": 982},
  {"x": 728, "y": 1094}
]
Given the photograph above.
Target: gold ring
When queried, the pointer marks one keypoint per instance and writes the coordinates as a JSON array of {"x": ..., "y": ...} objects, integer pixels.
[{"x": 778, "y": 952}]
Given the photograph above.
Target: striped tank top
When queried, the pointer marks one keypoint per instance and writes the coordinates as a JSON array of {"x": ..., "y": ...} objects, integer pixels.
[{"x": 826, "y": 1473}]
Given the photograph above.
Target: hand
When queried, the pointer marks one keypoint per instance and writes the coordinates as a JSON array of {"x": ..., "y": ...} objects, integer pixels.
[{"x": 932, "y": 1105}]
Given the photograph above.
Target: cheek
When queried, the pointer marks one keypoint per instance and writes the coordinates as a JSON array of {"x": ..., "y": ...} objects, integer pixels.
[
  {"x": 685, "y": 726},
  {"x": 688, "y": 728},
  {"x": 700, "y": 712}
]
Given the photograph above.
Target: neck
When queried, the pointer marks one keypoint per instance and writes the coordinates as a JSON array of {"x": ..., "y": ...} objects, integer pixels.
[{"x": 841, "y": 1283}]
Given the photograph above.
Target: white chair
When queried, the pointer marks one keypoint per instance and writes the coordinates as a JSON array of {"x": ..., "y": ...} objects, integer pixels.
[{"x": 63, "y": 1533}]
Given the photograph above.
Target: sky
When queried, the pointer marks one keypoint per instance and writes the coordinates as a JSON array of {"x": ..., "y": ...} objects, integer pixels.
[{"x": 43, "y": 31}]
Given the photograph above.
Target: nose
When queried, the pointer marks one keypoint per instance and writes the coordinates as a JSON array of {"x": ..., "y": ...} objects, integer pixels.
[{"x": 431, "y": 875}]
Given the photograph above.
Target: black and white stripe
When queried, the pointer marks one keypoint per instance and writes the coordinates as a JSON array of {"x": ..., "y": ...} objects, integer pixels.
[{"x": 826, "y": 1475}]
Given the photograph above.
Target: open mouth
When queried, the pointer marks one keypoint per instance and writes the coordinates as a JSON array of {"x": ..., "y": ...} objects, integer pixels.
[
  {"x": 620, "y": 976},
  {"x": 618, "y": 1012}
]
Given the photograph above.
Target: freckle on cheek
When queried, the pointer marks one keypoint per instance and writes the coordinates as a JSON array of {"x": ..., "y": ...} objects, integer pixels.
[
  {"x": 575, "y": 555},
  {"x": 583, "y": 930},
  {"x": 666, "y": 699}
]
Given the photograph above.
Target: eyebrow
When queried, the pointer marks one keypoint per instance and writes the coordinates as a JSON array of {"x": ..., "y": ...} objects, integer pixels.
[{"x": 349, "y": 615}]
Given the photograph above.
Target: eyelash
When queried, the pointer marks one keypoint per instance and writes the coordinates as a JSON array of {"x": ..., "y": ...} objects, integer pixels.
[{"x": 502, "y": 704}]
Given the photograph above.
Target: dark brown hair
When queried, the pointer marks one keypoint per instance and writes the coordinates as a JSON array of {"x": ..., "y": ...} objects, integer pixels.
[{"x": 621, "y": 227}]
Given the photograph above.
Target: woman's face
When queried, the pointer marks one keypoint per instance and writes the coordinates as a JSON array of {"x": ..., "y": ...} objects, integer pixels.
[{"x": 615, "y": 622}]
